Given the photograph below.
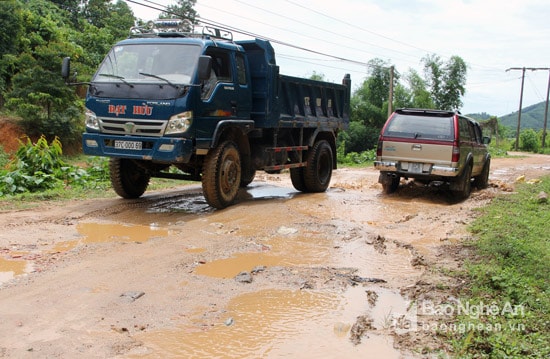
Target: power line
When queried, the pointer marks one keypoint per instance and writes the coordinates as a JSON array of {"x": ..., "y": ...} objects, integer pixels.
[
  {"x": 355, "y": 40},
  {"x": 251, "y": 34}
]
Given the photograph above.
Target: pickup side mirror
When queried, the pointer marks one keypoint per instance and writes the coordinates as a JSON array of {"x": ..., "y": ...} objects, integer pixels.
[
  {"x": 205, "y": 67},
  {"x": 486, "y": 140},
  {"x": 66, "y": 68}
]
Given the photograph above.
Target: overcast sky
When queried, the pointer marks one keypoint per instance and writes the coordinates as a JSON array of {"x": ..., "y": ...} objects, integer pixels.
[{"x": 491, "y": 36}]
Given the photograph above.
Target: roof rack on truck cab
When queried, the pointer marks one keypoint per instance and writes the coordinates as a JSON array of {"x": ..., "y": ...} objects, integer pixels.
[{"x": 178, "y": 28}]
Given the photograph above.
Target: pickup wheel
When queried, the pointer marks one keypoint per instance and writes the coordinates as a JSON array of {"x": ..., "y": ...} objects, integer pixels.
[
  {"x": 221, "y": 175},
  {"x": 464, "y": 183},
  {"x": 318, "y": 172},
  {"x": 127, "y": 178},
  {"x": 482, "y": 181},
  {"x": 390, "y": 184}
]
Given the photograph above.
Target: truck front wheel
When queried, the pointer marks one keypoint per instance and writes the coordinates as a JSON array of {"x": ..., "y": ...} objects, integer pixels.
[
  {"x": 318, "y": 172},
  {"x": 221, "y": 175},
  {"x": 127, "y": 178}
]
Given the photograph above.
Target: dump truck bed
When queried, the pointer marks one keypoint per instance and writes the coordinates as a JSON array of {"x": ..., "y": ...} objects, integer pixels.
[{"x": 286, "y": 101}]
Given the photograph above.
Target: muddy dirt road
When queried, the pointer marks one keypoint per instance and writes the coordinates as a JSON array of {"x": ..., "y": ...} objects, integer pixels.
[{"x": 279, "y": 275}]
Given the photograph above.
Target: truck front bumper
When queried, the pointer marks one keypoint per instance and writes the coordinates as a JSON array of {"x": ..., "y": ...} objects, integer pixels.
[{"x": 158, "y": 149}]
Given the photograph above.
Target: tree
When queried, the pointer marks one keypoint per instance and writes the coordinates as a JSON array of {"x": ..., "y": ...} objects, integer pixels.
[
  {"x": 446, "y": 81},
  {"x": 183, "y": 10},
  {"x": 420, "y": 96},
  {"x": 36, "y": 91},
  {"x": 11, "y": 23}
]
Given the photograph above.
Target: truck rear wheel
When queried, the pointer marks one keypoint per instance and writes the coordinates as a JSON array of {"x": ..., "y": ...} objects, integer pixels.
[
  {"x": 318, "y": 172},
  {"x": 221, "y": 175},
  {"x": 127, "y": 178},
  {"x": 297, "y": 178}
]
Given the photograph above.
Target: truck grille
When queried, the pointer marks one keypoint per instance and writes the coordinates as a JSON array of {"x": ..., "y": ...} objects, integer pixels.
[{"x": 136, "y": 127}]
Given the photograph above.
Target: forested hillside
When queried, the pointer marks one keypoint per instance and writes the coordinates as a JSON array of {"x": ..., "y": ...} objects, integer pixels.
[{"x": 531, "y": 117}]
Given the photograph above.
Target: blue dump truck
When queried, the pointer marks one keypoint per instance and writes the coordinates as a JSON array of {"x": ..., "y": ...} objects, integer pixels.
[{"x": 201, "y": 106}]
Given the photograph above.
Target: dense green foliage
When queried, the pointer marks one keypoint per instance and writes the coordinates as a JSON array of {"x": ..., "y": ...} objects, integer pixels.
[
  {"x": 442, "y": 88},
  {"x": 38, "y": 167},
  {"x": 511, "y": 271}
]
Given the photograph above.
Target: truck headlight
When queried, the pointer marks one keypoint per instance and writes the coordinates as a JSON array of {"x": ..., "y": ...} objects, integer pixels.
[
  {"x": 91, "y": 120},
  {"x": 179, "y": 123}
]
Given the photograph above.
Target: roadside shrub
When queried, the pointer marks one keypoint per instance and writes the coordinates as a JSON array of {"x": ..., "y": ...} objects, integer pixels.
[
  {"x": 529, "y": 140},
  {"x": 4, "y": 158},
  {"x": 38, "y": 167},
  {"x": 355, "y": 158}
]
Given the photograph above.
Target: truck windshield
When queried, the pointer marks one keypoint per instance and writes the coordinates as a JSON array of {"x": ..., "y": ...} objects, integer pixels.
[{"x": 149, "y": 63}]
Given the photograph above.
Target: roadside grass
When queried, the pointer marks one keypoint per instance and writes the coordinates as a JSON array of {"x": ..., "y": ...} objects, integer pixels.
[{"x": 509, "y": 280}]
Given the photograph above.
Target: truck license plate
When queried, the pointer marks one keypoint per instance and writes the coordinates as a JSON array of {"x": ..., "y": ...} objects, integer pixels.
[
  {"x": 128, "y": 145},
  {"x": 415, "y": 167}
]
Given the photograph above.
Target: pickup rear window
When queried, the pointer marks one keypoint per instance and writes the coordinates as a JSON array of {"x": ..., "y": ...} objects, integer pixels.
[{"x": 421, "y": 127}]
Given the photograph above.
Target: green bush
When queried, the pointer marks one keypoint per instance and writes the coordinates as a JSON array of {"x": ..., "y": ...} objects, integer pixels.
[
  {"x": 4, "y": 158},
  {"x": 38, "y": 167},
  {"x": 529, "y": 140}
]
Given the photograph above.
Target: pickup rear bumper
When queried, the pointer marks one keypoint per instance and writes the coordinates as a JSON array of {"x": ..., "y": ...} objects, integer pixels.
[
  {"x": 425, "y": 169},
  {"x": 158, "y": 149}
]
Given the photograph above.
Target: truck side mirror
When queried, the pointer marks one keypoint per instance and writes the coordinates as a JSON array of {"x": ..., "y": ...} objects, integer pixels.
[
  {"x": 486, "y": 140},
  {"x": 205, "y": 67},
  {"x": 66, "y": 68}
]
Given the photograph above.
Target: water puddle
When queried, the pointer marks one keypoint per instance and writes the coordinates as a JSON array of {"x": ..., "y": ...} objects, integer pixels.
[
  {"x": 185, "y": 204},
  {"x": 380, "y": 259},
  {"x": 114, "y": 232},
  {"x": 262, "y": 191},
  {"x": 64, "y": 246},
  {"x": 11, "y": 268},
  {"x": 273, "y": 324},
  {"x": 292, "y": 250}
]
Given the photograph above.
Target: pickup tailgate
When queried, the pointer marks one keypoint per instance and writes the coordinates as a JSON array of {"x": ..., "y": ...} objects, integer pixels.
[{"x": 417, "y": 157}]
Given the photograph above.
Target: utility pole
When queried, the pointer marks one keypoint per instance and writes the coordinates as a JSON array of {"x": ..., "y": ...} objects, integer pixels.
[
  {"x": 546, "y": 113},
  {"x": 521, "y": 98}
]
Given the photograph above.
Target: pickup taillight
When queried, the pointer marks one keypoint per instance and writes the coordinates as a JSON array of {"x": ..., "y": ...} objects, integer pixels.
[
  {"x": 379, "y": 147},
  {"x": 456, "y": 152}
]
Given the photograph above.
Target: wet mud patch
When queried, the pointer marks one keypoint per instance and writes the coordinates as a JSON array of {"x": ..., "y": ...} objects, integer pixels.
[
  {"x": 118, "y": 233},
  {"x": 10, "y": 268}
]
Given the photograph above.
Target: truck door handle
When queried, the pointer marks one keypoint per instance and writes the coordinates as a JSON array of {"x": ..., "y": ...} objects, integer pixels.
[{"x": 417, "y": 147}]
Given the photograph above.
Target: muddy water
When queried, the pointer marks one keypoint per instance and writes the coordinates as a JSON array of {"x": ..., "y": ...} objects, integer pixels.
[
  {"x": 11, "y": 268},
  {"x": 114, "y": 232},
  {"x": 275, "y": 324},
  {"x": 301, "y": 231}
]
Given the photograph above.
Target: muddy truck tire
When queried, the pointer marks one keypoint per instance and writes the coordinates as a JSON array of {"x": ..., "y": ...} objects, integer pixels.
[
  {"x": 221, "y": 176},
  {"x": 128, "y": 179},
  {"x": 318, "y": 172}
]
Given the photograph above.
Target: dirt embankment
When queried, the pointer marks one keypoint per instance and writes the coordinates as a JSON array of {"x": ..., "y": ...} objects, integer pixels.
[
  {"x": 10, "y": 134},
  {"x": 279, "y": 274}
]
